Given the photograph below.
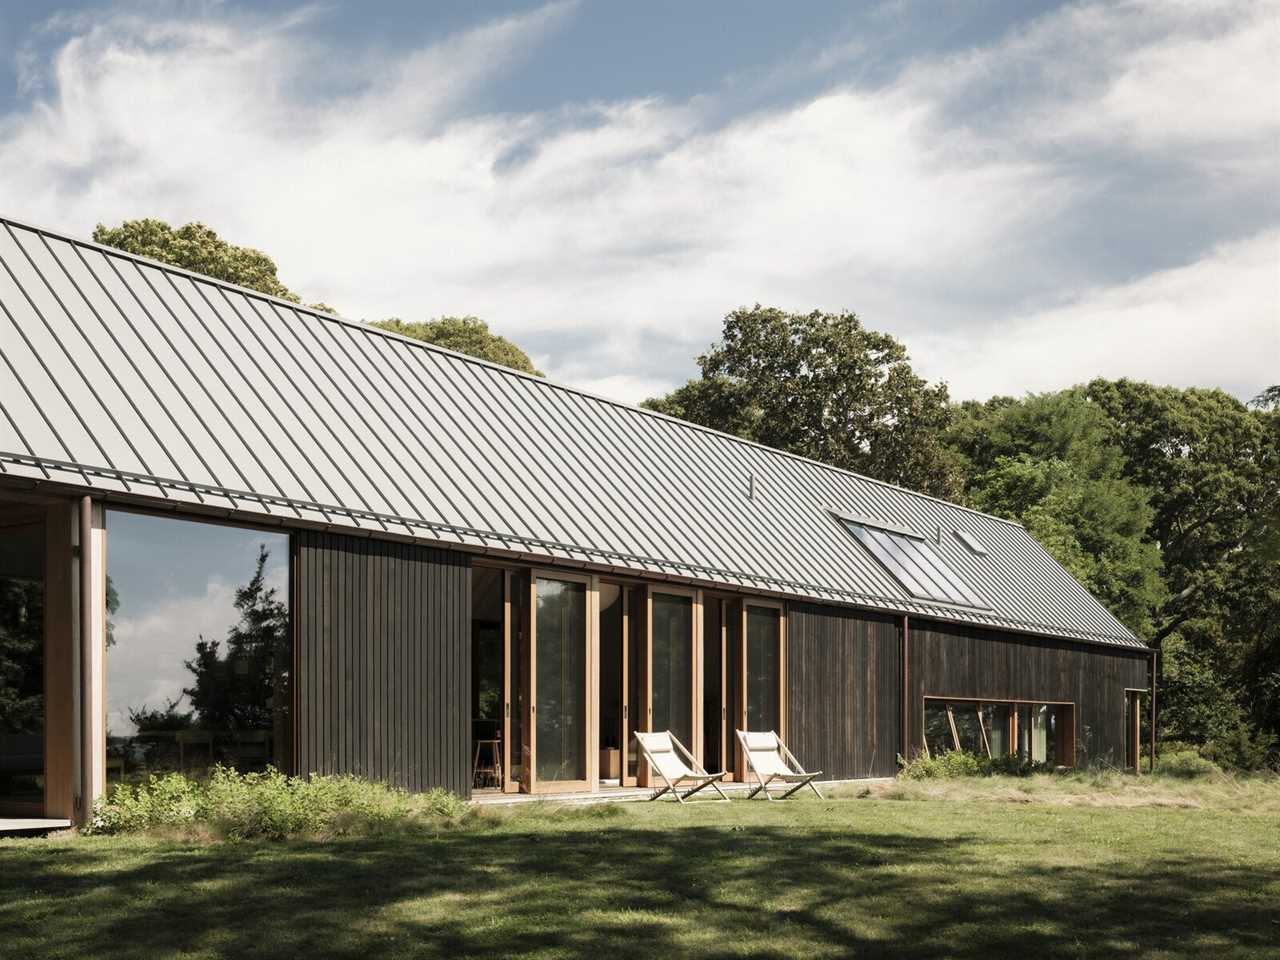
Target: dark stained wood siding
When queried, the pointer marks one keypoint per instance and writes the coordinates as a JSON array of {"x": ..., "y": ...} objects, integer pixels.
[
  {"x": 949, "y": 660},
  {"x": 383, "y": 653},
  {"x": 844, "y": 690}
]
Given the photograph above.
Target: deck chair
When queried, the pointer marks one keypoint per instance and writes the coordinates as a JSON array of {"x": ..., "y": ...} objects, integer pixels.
[
  {"x": 660, "y": 750},
  {"x": 769, "y": 760}
]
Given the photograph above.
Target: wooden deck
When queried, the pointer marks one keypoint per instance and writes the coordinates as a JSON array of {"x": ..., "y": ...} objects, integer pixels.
[{"x": 30, "y": 826}]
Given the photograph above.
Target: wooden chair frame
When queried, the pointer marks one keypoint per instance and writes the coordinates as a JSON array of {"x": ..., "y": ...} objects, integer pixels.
[
  {"x": 798, "y": 779},
  {"x": 699, "y": 775}
]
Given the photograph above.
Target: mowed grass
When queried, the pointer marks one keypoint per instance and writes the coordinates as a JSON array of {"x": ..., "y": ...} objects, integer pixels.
[{"x": 980, "y": 869}]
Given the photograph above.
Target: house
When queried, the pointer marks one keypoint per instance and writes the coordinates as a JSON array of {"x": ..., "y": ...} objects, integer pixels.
[{"x": 236, "y": 530}]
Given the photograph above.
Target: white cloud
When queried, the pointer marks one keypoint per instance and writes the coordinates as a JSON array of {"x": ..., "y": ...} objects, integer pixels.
[
  {"x": 145, "y": 664},
  {"x": 946, "y": 207},
  {"x": 1185, "y": 326}
]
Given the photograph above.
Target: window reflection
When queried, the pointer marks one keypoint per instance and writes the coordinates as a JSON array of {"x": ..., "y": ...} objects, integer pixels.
[
  {"x": 22, "y": 667},
  {"x": 763, "y": 633},
  {"x": 199, "y": 652},
  {"x": 1038, "y": 732},
  {"x": 560, "y": 657}
]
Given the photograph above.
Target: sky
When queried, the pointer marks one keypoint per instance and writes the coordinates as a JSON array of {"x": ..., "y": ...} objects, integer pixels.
[
  {"x": 1028, "y": 195},
  {"x": 176, "y": 582}
]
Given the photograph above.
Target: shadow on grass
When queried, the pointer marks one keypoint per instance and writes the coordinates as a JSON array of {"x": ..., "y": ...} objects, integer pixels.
[{"x": 616, "y": 891}]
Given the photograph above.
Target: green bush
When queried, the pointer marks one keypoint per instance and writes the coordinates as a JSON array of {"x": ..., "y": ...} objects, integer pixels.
[
  {"x": 954, "y": 763},
  {"x": 1242, "y": 749},
  {"x": 958, "y": 763},
  {"x": 1184, "y": 765},
  {"x": 267, "y": 805}
]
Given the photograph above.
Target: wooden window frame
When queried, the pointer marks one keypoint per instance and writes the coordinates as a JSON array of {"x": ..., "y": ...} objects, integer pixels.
[
  {"x": 644, "y": 777},
  {"x": 1067, "y": 738},
  {"x": 1134, "y": 727},
  {"x": 591, "y": 688},
  {"x": 740, "y": 721}
]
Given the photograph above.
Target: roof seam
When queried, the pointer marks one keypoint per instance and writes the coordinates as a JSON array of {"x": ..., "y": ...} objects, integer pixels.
[
  {"x": 813, "y": 590},
  {"x": 302, "y": 309}
]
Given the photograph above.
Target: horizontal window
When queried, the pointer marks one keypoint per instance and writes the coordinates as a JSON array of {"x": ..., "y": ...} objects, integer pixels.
[{"x": 1039, "y": 732}]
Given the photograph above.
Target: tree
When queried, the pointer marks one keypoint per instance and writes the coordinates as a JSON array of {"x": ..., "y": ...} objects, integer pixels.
[
  {"x": 469, "y": 335},
  {"x": 823, "y": 386},
  {"x": 198, "y": 248},
  {"x": 1123, "y": 481},
  {"x": 237, "y": 689},
  {"x": 1046, "y": 462},
  {"x": 1268, "y": 399},
  {"x": 1211, "y": 466}
]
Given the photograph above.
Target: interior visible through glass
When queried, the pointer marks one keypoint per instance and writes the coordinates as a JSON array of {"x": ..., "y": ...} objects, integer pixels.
[
  {"x": 199, "y": 651},
  {"x": 763, "y": 634},
  {"x": 672, "y": 665},
  {"x": 22, "y": 667},
  {"x": 610, "y": 713},
  {"x": 560, "y": 672}
]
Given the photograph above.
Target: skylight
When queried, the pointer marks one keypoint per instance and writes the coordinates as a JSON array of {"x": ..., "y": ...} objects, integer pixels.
[
  {"x": 915, "y": 564},
  {"x": 972, "y": 542}
]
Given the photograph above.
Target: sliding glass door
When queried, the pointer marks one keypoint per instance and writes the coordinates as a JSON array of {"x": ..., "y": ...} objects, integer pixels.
[
  {"x": 671, "y": 662},
  {"x": 22, "y": 701},
  {"x": 559, "y": 676},
  {"x": 757, "y": 668}
]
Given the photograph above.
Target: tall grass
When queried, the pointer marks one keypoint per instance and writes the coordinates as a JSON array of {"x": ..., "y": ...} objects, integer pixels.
[{"x": 269, "y": 805}]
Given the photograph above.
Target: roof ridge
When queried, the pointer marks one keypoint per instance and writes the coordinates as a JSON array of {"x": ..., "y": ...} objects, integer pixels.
[{"x": 422, "y": 344}]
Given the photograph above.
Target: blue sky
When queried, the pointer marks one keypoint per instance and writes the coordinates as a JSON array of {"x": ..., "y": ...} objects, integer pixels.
[{"x": 1027, "y": 194}]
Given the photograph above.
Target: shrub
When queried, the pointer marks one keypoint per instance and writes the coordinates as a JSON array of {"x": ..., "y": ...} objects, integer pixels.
[
  {"x": 267, "y": 805},
  {"x": 163, "y": 801},
  {"x": 958, "y": 763},
  {"x": 954, "y": 763},
  {"x": 1185, "y": 765},
  {"x": 1242, "y": 749}
]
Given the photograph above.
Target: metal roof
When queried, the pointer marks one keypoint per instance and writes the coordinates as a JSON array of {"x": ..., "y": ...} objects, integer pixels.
[{"x": 129, "y": 377}]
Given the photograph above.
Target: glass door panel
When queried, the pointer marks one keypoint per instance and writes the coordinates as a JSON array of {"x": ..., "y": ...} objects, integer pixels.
[
  {"x": 672, "y": 665},
  {"x": 635, "y": 708},
  {"x": 22, "y": 669},
  {"x": 764, "y": 633},
  {"x": 713, "y": 684},
  {"x": 560, "y": 682}
]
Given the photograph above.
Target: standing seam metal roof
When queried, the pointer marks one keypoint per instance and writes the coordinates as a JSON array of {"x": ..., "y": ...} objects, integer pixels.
[{"x": 129, "y": 376}]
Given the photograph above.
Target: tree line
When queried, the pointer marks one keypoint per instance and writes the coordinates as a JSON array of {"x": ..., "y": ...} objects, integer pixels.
[{"x": 1163, "y": 501}]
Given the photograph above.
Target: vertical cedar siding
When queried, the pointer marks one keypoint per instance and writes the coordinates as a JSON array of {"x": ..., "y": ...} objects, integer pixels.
[
  {"x": 383, "y": 660},
  {"x": 950, "y": 660},
  {"x": 844, "y": 679}
]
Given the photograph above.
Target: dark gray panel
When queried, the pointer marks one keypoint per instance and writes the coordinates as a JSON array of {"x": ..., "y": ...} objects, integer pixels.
[
  {"x": 384, "y": 660},
  {"x": 950, "y": 660},
  {"x": 843, "y": 690}
]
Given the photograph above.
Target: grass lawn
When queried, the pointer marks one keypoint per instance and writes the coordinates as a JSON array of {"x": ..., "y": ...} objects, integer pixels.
[{"x": 1000, "y": 868}]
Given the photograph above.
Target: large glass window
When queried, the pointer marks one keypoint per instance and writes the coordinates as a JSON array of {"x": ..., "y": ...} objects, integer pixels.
[
  {"x": 22, "y": 667},
  {"x": 1040, "y": 732},
  {"x": 199, "y": 651},
  {"x": 764, "y": 631},
  {"x": 560, "y": 674},
  {"x": 672, "y": 664}
]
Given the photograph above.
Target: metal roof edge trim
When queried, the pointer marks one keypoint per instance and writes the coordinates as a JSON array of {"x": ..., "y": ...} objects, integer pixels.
[
  {"x": 299, "y": 308},
  {"x": 795, "y": 587}
]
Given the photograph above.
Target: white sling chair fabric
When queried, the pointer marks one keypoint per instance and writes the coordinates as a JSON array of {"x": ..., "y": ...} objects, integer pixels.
[
  {"x": 660, "y": 750},
  {"x": 770, "y": 761}
]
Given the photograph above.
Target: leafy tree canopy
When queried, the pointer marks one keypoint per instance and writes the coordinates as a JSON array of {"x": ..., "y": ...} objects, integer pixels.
[
  {"x": 1166, "y": 503},
  {"x": 198, "y": 248},
  {"x": 823, "y": 386},
  {"x": 469, "y": 335}
]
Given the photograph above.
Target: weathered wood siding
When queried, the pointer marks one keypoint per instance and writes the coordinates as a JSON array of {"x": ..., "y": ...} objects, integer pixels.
[
  {"x": 383, "y": 654},
  {"x": 949, "y": 660},
  {"x": 844, "y": 690}
]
